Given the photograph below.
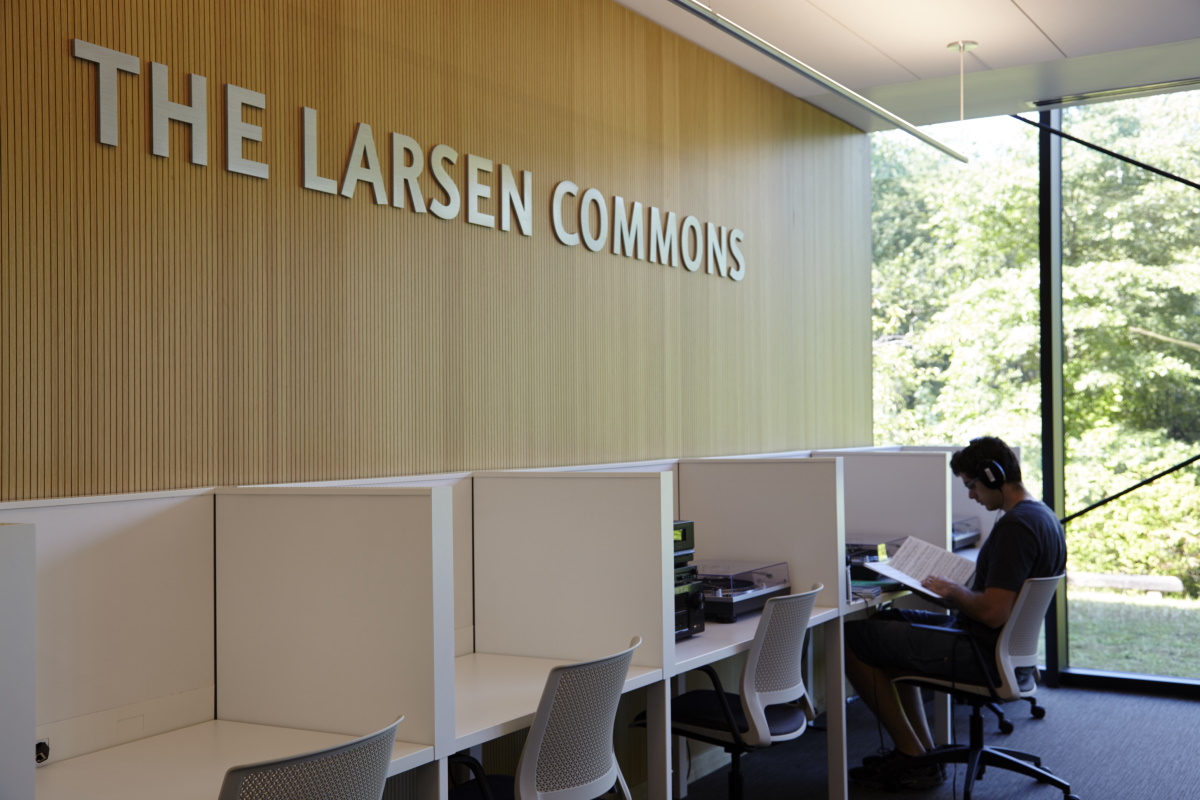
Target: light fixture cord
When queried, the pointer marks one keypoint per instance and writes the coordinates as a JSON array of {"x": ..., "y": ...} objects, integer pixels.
[{"x": 962, "y": 51}]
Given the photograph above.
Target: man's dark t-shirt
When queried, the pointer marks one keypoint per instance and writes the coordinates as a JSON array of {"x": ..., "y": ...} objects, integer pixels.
[{"x": 1026, "y": 542}]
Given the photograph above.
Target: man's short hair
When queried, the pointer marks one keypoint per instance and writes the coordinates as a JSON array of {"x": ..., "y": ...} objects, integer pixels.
[{"x": 971, "y": 460}]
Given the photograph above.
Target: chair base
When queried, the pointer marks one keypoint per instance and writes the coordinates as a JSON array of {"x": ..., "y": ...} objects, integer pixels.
[
  {"x": 978, "y": 757},
  {"x": 1006, "y": 726}
]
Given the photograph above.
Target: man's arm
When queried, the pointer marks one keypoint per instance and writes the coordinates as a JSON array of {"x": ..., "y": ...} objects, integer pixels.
[{"x": 992, "y": 606}]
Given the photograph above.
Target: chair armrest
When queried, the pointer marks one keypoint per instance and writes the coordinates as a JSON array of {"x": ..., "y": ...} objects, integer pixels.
[
  {"x": 708, "y": 670},
  {"x": 941, "y": 629},
  {"x": 477, "y": 772},
  {"x": 723, "y": 700}
]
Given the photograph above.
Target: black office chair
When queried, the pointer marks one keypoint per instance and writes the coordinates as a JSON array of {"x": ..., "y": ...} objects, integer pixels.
[
  {"x": 1016, "y": 648},
  {"x": 355, "y": 770},
  {"x": 773, "y": 705}
]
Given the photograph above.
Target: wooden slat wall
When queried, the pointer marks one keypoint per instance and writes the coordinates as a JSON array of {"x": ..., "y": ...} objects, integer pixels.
[{"x": 169, "y": 325}]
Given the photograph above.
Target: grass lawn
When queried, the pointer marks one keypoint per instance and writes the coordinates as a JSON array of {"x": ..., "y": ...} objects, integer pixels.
[{"x": 1134, "y": 633}]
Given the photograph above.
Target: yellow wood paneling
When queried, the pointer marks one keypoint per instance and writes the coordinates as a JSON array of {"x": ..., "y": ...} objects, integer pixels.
[{"x": 169, "y": 325}]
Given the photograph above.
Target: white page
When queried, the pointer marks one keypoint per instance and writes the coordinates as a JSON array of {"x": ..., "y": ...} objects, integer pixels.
[
  {"x": 916, "y": 560},
  {"x": 921, "y": 559}
]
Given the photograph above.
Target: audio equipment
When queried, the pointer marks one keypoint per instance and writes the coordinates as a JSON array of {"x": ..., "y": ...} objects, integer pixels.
[{"x": 689, "y": 597}]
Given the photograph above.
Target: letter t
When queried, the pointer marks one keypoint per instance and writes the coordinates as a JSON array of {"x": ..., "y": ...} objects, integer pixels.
[{"x": 108, "y": 63}]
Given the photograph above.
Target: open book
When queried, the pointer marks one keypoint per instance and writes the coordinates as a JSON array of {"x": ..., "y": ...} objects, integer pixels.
[{"x": 915, "y": 560}]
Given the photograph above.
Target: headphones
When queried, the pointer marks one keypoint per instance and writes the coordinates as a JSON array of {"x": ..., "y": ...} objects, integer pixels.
[{"x": 991, "y": 475}]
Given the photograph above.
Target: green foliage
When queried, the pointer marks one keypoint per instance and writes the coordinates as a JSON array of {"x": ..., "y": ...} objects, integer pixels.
[
  {"x": 1116, "y": 366},
  {"x": 956, "y": 315},
  {"x": 1153, "y": 531},
  {"x": 1114, "y": 211}
]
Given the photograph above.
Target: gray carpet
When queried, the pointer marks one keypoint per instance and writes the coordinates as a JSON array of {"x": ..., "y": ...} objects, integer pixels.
[{"x": 1109, "y": 746}]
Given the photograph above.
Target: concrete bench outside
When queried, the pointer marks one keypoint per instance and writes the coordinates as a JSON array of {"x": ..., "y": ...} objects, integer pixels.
[{"x": 1144, "y": 583}]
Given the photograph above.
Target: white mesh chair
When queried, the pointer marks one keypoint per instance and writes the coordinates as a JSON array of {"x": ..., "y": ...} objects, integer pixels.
[
  {"x": 1016, "y": 648},
  {"x": 568, "y": 754},
  {"x": 773, "y": 705},
  {"x": 356, "y": 770}
]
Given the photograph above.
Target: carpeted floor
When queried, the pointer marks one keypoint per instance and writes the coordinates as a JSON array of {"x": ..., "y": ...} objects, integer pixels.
[{"x": 1109, "y": 746}]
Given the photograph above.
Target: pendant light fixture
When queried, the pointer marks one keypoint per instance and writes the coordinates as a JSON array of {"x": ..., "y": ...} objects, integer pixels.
[{"x": 963, "y": 46}]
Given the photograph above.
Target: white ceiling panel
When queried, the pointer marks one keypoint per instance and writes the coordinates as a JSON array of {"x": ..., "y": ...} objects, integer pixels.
[
  {"x": 894, "y": 51},
  {"x": 809, "y": 33},
  {"x": 1103, "y": 26},
  {"x": 916, "y": 33}
]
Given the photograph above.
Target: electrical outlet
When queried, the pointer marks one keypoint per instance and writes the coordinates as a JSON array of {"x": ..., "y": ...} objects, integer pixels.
[{"x": 43, "y": 749}]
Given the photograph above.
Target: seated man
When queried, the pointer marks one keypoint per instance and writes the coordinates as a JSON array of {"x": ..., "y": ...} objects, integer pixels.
[{"x": 1026, "y": 542}]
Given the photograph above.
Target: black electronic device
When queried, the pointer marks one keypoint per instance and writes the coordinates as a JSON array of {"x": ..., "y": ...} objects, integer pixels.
[
  {"x": 683, "y": 537},
  {"x": 858, "y": 554},
  {"x": 689, "y": 595},
  {"x": 964, "y": 533},
  {"x": 962, "y": 541},
  {"x": 738, "y": 587},
  {"x": 689, "y": 602}
]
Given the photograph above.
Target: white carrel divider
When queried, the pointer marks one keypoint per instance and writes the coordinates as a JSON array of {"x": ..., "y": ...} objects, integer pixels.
[
  {"x": 464, "y": 600},
  {"x": 657, "y": 465},
  {"x": 335, "y": 612},
  {"x": 894, "y": 492},
  {"x": 775, "y": 509},
  {"x": 770, "y": 509},
  {"x": 962, "y": 507},
  {"x": 568, "y": 566},
  {"x": 548, "y": 548},
  {"x": 18, "y": 588},
  {"x": 124, "y": 631}
]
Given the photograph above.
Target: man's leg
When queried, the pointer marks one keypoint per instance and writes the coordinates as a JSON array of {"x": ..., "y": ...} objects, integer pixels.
[
  {"x": 899, "y": 711},
  {"x": 914, "y": 710}
]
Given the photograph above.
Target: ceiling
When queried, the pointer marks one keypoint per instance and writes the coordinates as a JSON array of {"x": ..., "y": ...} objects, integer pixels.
[{"x": 894, "y": 52}]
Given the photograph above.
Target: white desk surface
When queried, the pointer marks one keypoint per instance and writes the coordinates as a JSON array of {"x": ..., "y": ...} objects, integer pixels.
[
  {"x": 721, "y": 640},
  {"x": 496, "y": 694},
  {"x": 190, "y": 763}
]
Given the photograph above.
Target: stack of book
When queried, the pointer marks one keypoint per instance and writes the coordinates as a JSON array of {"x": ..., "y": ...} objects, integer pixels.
[{"x": 868, "y": 590}]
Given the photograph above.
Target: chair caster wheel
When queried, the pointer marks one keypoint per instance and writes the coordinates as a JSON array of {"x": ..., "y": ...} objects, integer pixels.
[
  {"x": 1038, "y": 712},
  {"x": 1006, "y": 727}
]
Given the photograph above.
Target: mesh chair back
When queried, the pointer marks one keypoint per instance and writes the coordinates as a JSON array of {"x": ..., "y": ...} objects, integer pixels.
[
  {"x": 356, "y": 770},
  {"x": 773, "y": 672},
  {"x": 568, "y": 754},
  {"x": 1018, "y": 642}
]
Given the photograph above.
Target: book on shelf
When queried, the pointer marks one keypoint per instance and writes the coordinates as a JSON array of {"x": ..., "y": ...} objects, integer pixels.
[
  {"x": 870, "y": 589},
  {"x": 915, "y": 560},
  {"x": 861, "y": 590}
]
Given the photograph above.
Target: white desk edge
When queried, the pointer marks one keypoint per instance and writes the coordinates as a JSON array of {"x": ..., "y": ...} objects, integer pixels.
[
  {"x": 498, "y": 694},
  {"x": 191, "y": 762}
]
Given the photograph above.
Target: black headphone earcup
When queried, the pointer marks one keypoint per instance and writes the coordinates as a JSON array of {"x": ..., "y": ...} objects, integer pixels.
[{"x": 993, "y": 476}]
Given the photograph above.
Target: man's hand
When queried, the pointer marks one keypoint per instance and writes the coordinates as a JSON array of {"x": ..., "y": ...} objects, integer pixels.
[
  {"x": 992, "y": 606},
  {"x": 942, "y": 587}
]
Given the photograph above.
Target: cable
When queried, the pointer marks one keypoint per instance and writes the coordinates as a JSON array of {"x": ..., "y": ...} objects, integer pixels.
[
  {"x": 953, "y": 727},
  {"x": 882, "y": 751}
]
